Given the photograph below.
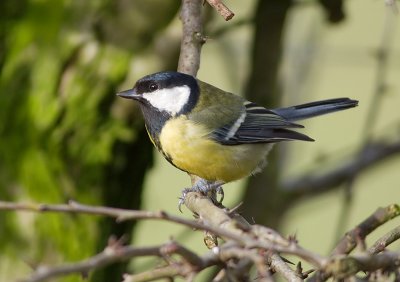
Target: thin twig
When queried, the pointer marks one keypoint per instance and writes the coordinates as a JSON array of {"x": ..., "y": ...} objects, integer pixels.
[
  {"x": 241, "y": 253},
  {"x": 108, "y": 256},
  {"x": 189, "y": 262},
  {"x": 357, "y": 234},
  {"x": 222, "y": 9},
  {"x": 279, "y": 265},
  {"x": 379, "y": 217},
  {"x": 169, "y": 271},
  {"x": 118, "y": 214},
  {"x": 341, "y": 267},
  {"x": 385, "y": 241},
  {"x": 176, "y": 248}
]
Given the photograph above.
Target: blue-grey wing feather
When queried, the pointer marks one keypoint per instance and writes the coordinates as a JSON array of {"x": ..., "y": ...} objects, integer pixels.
[{"x": 259, "y": 125}]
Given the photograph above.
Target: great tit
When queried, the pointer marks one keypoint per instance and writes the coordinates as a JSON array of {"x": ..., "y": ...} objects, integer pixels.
[{"x": 212, "y": 134}]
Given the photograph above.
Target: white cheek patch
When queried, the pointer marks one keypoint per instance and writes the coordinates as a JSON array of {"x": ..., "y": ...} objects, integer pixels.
[{"x": 171, "y": 100}]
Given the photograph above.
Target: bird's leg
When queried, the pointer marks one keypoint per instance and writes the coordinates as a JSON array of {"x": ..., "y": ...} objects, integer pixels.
[{"x": 210, "y": 189}]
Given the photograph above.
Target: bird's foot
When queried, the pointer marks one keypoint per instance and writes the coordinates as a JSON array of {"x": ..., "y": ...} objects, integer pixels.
[{"x": 210, "y": 189}]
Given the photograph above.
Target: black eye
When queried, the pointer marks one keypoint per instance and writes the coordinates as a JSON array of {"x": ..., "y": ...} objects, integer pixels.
[{"x": 153, "y": 87}]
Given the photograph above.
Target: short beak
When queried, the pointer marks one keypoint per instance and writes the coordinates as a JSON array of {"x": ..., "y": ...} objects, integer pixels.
[{"x": 130, "y": 94}]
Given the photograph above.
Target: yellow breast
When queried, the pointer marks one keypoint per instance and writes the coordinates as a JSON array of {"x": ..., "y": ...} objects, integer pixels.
[{"x": 191, "y": 150}]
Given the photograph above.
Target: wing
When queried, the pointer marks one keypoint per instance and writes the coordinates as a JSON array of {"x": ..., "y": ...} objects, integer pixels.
[
  {"x": 257, "y": 125},
  {"x": 239, "y": 121}
]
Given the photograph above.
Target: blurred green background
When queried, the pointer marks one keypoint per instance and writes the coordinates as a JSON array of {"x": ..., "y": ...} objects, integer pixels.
[{"x": 64, "y": 134}]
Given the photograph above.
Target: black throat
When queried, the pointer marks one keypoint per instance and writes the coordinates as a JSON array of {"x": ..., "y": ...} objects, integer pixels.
[{"x": 155, "y": 121}]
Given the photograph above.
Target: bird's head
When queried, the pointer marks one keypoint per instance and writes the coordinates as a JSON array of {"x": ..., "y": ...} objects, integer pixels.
[{"x": 169, "y": 92}]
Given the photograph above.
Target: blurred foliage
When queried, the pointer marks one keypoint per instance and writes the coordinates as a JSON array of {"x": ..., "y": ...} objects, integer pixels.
[{"x": 61, "y": 62}]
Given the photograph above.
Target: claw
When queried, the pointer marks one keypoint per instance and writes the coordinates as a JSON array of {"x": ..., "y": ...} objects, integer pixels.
[
  {"x": 207, "y": 188},
  {"x": 180, "y": 203},
  {"x": 182, "y": 198}
]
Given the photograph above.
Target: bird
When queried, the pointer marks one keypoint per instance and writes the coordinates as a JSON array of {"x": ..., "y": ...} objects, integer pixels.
[{"x": 216, "y": 136}]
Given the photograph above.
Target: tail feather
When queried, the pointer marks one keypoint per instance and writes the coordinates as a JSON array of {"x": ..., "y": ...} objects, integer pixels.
[{"x": 315, "y": 108}]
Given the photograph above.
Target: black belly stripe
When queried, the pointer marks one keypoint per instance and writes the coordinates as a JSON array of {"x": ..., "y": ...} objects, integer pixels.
[{"x": 155, "y": 121}]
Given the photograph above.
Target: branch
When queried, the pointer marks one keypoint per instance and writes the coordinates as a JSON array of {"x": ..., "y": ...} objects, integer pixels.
[
  {"x": 214, "y": 221},
  {"x": 108, "y": 256},
  {"x": 221, "y": 9},
  {"x": 314, "y": 183},
  {"x": 385, "y": 241},
  {"x": 245, "y": 243},
  {"x": 280, "y": 266},
  {"x": 344, "y": 266},
  {"x": 154, "y": 274},
  {"x": 241, "y": 253},
  {"x": 192, "y": 37},
  {"x": 379, "y": 217},
  {"x": 188, "y": 264},
  {"x": 340, "y": 264},
  {"x": 119, "y": 214},
  {"x": 252, "y": 236}
]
